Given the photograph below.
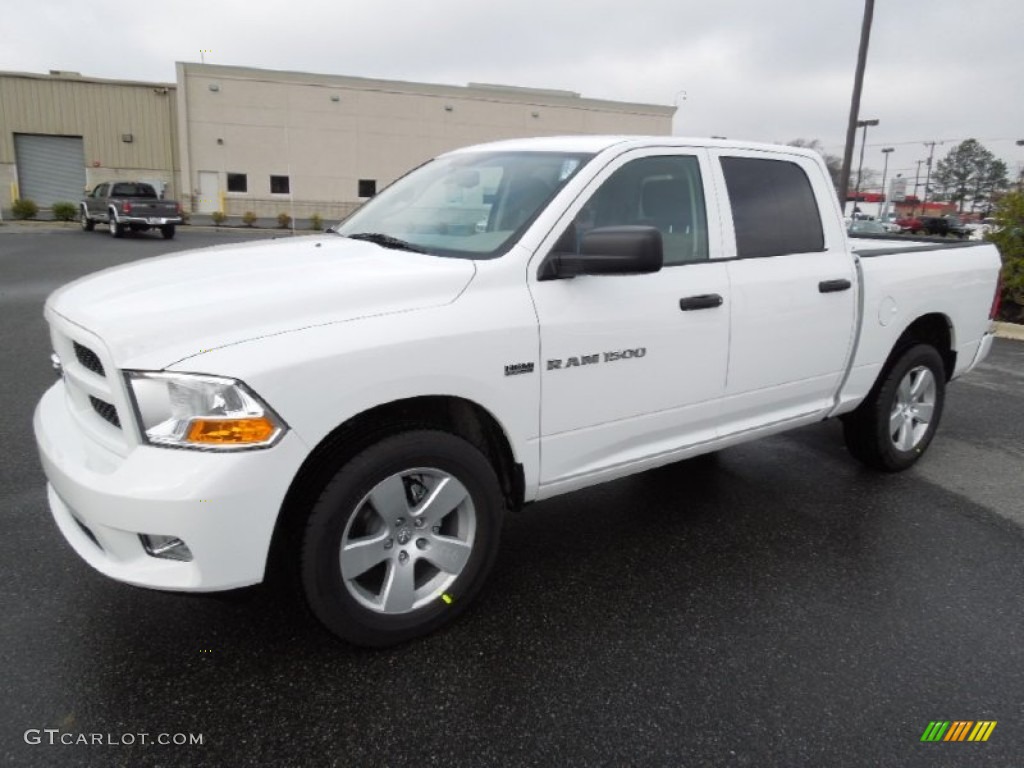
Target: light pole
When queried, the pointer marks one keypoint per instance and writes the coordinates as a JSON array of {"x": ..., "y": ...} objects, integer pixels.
[
  {"x": 680, "y": 96},
  {"x": 917, "y": 183},
  {"x": 885, "y": 192},
  {"x": 860, "y": 166}
]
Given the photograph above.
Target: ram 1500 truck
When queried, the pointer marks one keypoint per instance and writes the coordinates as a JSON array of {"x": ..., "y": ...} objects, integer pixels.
[
  {"x": 506, "y": 323},
  {"x": 129, "y": 205}
]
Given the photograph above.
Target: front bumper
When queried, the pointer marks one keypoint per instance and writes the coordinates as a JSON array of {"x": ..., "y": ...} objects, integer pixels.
[{"x": 222, "y": 505}]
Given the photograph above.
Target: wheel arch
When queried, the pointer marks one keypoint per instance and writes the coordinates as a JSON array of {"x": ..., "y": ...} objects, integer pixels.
[
  {"x": 456, "y": 415},
  {"x": 935, "y": 329}
]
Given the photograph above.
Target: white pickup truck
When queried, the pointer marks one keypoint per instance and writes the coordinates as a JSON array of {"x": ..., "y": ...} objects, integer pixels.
[{"x": 506, "y": 323}]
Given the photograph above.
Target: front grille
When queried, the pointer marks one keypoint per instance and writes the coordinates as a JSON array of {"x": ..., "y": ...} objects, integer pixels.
[
  {"x": 89, "y": 359},
  {"x": 105, "y": 410}
]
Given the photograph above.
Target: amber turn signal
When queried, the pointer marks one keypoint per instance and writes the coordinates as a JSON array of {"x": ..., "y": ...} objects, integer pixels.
[{"x": 231, "y": 431}]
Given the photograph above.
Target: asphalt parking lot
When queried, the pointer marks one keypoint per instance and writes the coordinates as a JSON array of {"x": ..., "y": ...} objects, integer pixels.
[{"x": 774, "y": 605}]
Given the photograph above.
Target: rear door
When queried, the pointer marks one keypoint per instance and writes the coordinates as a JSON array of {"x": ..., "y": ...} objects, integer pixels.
[
  {"x": 794, "y": 288},
  {"x": 632, "y": 366}
]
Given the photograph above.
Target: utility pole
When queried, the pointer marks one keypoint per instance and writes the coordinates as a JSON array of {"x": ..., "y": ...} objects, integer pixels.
[
  {"x": 917, "y": 183},
  {"x": 928, "y": 176},
  {"x": 1020, "y": 179},
  {"x": 858, "y": 82}
]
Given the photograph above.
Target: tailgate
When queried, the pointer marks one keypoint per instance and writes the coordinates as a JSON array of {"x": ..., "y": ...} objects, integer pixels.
[{"x": 154, "y": 208}]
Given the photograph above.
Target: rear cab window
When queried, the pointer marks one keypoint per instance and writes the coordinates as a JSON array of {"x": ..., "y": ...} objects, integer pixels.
[{"x": 774, "y": 209}]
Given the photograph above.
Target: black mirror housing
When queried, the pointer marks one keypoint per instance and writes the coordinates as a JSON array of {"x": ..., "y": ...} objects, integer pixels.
[{"x": 627, "y": 250}]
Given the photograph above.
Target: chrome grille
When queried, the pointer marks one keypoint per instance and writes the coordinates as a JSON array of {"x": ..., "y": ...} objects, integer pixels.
[
  {"x": 107, "y": 411},
  {"x": 89, "y": 359}
]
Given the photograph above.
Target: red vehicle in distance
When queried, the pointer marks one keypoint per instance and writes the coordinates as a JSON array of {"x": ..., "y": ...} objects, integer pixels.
[{"x": 910, "y": 224}]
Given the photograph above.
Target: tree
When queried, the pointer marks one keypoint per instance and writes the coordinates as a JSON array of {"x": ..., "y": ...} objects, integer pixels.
[
  {"x": 1009, "y": 238},
  {"x": 834, "y": 163},
  {"x": 969, "y": 173}
]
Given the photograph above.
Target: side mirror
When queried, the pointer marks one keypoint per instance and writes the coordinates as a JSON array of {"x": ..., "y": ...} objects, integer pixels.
[{"x": 630, "y": 250}]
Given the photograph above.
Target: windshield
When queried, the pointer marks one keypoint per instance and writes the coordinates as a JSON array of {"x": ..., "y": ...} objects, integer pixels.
[{"x": 470, "y": 205}]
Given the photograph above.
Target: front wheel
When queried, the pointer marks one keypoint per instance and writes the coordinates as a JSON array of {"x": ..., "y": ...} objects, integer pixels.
[
  {"x": 87, "y": 224},
  {"x": 893, "y": 427},
  {"x": 402, "y": 538}
]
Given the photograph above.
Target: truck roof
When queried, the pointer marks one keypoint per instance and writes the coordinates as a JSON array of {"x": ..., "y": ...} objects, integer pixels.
[{"x": 595, "y": 144}]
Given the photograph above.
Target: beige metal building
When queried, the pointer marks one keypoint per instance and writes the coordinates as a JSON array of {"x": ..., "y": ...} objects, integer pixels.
[
  {"x": 237, "y": 139},
  {"x": 270, "y": 142},
  {"x": 61, "y": 133}
]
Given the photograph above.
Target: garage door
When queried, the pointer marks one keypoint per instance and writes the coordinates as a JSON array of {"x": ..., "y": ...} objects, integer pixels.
[{"x": 50, "y": 168}]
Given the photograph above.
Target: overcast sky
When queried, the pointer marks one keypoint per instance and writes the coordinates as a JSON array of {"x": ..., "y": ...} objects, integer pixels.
[{"x": 746, "y": 69}]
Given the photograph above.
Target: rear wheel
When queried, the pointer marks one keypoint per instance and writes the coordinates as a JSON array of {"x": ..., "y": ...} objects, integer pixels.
[
  {"x": 402, "y": 538},
  {"x": 167, "y": 231},
  {"x": 116, "y": 227},
  {"x": 893, "y": 427},
  {"x": 87, "y": 224}
]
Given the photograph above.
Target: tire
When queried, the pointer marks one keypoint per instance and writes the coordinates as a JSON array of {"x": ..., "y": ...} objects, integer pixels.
[
  {"x": 167, "y": 231},
  {"x": 420, "y": 564},
  {"x": 88, "y": 225},
  {"x": 116, "y": 227},
  {"x": 895, "y": 424}
]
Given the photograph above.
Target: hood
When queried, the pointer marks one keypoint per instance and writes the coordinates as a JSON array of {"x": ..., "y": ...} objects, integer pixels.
[{"x": 154, "y": 313}]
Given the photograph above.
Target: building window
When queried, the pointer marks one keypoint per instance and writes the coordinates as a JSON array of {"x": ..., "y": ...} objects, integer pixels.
[
  {"x": 238, "y": 182},
  {"x": 367, "y": 187},
  {"x": 279, "y": 185}
]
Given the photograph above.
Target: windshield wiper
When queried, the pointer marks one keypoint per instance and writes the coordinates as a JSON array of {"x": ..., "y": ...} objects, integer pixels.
[{"x": 386, "y": 241}]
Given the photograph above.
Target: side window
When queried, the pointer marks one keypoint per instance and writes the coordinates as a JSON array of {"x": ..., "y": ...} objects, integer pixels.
[
  {"x": 664, "y": 192},
  {"x": 101, "y": 190},
  {"x": 773, "y": 207}
]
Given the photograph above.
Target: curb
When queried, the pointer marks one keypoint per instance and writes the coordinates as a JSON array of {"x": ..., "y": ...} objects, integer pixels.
[
  {"x": 1010, "y": 331},
  {"x": 23, "y": 227}
]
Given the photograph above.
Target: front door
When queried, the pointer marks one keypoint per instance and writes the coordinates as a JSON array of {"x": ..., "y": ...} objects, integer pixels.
[
  {"x": 632, "y": 367},
  {"x": 209, "y": 192}
]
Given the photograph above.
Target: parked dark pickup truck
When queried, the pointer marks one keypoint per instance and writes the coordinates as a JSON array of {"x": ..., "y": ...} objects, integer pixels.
[
  {"x": 123, "y": 205},
  {"x": 944, "y": 226}
]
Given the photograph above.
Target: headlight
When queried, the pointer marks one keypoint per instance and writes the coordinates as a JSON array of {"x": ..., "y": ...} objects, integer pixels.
[{"x": 184, "y": 410}]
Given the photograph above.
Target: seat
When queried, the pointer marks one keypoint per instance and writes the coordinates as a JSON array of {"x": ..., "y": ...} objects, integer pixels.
[
  {"x": 524, "y": 200},
  {"x": 664, "y": 204}
]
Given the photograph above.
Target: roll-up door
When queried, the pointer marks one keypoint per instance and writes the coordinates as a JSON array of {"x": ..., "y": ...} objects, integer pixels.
[{"x": 51, "y": 169}]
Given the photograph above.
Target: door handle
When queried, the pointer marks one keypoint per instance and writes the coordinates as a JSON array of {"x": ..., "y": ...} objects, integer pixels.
[
  {"x": 704, "y": 301},
  {"x": 833, "y": 286}
]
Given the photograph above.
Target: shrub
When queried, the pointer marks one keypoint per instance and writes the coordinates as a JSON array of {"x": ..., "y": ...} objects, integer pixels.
[
  {"x": 23, "y": 208},
  {"x": 65, "y": 211},
  {"x": 284, "y": 220},
  {"x": 219, "y": 217},
  {"x": 316, "y": 222},
  {"x": 1009, "y": 238},
  {"x": 248, "y": 218}
]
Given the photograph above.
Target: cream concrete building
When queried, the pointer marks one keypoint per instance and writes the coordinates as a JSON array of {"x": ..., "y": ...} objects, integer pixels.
[
  {"x": 237, "y": 139},
  {"x": 62, "y": 132}
]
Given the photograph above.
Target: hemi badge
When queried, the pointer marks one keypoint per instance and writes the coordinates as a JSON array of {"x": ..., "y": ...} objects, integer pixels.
[{"x": 516, "y": 368}]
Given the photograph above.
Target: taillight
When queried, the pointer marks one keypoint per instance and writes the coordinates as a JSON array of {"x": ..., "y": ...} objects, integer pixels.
[
  {"x": 178, "y": 208},
  {"x": 997, "y": 299},
  {"x": 127, "y": 207}
]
